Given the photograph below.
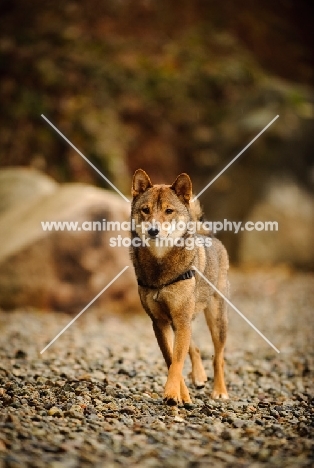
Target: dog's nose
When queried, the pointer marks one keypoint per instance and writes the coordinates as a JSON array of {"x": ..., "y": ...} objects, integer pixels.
[{"x": 153, "y": 232}]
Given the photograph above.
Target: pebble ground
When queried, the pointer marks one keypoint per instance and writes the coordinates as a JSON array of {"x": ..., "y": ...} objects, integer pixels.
[{"x": 93, "y": 399}]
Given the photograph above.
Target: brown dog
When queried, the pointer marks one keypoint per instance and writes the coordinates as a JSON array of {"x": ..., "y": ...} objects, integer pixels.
[{"x": 166, "y": 250}]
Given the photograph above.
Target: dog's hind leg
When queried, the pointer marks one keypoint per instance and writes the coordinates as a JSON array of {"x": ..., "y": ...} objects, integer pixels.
[
  {"x": 216, "y": 317},
  {"x": 198, "y": 373}
]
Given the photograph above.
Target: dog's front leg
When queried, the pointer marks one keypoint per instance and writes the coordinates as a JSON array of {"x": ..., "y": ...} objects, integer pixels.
[
  {"x": 163, "y": 334},
  {"x": 175, "y": 389}
]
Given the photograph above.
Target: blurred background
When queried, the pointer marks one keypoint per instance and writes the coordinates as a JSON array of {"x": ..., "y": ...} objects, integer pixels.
[{"x": 164, "y": 85}]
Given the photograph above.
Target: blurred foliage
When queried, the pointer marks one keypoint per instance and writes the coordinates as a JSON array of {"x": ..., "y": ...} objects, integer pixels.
[{"x": 170, "y": 86}]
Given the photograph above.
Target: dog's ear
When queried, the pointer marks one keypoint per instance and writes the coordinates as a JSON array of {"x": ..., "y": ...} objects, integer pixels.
[
  {"x": 141, "y": 182},
  {"x": 182, "y": 187}
]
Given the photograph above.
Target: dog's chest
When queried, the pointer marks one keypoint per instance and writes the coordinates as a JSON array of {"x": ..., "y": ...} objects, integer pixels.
[
  {"x": 157, "y": 305},
  {"x": 169, "y": 301}
]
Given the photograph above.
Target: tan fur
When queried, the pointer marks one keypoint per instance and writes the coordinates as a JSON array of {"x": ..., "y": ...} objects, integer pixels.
[{"x": 172, "y": 307}]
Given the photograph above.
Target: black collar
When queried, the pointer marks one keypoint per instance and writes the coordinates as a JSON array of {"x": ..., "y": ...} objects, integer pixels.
[{"x": 187, "y": 275}]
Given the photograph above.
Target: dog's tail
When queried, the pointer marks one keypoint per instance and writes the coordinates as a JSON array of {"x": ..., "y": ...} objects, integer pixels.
[{"x": 198, "y": 217}]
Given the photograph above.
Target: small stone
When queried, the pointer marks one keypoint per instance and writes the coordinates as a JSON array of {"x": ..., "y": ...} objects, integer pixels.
[
  {"x": 2, "y": 446},
  {"x": 263, "y": 455},
  {"x": 129, "y": 373},
  {"x": 237, "y": 422},
  {"x": 226, "y": 435},
  {"x": 263, "y": 404},
  {"x": 199, "y": 402},
  {"x": 55, "y": 411},
  {"x": 303, "y": 429},
  {"x": 178, "y": 419},
  {"x": 128, "y": 410},
  {"x": 85, "y": 376},
  {"x": 252, "y": 409},
  {"x": 20, "y": 354},
  {"x": 250, "y": 431},
  {"x": 259, "y": 422},
  {"x": 189, "y": 406},
  {"x": 111, "y": 390},
  {"x": 274, "y": 413}
]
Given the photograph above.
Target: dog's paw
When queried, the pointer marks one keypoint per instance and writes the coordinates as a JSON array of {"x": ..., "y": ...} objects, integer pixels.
[
  {"x": 199, "y": 381},
  {"x": 172, "y": 395},
  {"x": 220, "y": 395},
  {"x": 172, "y": 398},
  {"x": 176, "y": 393},
  {"x": 200, "y": 384},
  {"x": 171, "y": 401},
  {"x": 199, "y": 377}
]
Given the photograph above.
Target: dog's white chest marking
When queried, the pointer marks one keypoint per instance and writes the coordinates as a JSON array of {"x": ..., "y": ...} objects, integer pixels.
[{"x": 159, "y": 251}]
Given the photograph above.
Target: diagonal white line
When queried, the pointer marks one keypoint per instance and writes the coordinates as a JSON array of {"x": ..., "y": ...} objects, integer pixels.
[
  {"x": 237, "y": 310},
  {"x": 87, "y": 160},
  {"x": 234, "y": 159},
  {"x": 82, "y": 311}
]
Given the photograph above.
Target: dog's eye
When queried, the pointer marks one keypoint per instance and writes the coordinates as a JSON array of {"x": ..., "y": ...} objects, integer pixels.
[
  {"x": 145, "y": 210},
  {"x": 169, "y": 211}
]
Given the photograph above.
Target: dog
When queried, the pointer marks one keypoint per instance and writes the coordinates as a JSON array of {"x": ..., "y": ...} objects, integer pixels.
[{"x": 167, "y": 256}]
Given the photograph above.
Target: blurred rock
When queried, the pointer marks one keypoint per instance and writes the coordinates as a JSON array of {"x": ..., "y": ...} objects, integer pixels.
[
  {"x": 283, "y": 151},
  {"x": 23, "y": 184},
  {"x": 62, "y": 270},
  {"x": 292, "y": 207}
]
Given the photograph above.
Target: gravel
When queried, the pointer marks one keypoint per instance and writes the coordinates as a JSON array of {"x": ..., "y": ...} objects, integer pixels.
[{"x": 94, "y": 398}]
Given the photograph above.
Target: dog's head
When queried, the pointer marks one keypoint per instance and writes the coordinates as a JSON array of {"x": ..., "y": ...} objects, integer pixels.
[{"x": 157, "y": 210}]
